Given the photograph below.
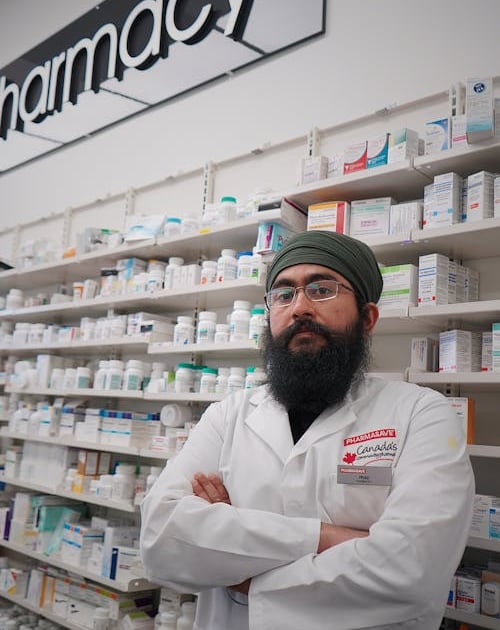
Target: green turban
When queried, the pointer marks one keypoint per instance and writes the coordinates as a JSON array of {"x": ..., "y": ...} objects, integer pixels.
[{"x": 351, "y": 258}]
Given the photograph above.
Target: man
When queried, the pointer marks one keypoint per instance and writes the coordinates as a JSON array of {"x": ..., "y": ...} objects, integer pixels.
[{"x": 326, "y": 499}]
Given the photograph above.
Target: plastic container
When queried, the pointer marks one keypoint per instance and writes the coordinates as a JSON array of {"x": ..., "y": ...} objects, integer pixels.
[
  {"x": 186, "y": 620},
  {"x": 173, "y": 263},
  {"x": 168, "y": 621},
  {"x": 154, "y": 473},
  {"x": 101, "y": 619},
  {"x": 78, "y": 291},
  {"x": 114, "y": 378},
  {"x": 245, "y": 260},
  {"x": 257, "y": 325},
  {"x": 101, "y": 375},
  {"x": 133, "y": 375},
  {"x": 236, "y": 380},
  {"x": 83, "y": 377},
  {"x": 172, "y": 227},
  {"x": 14, "y": 299},
  {"x": 208, "y": 380},
  {"x": 35, "y": 334},
  {"x": 208, "y": 271},
  {"x": 222, "y": 333},
  {"x": 239, "y": 321},
  {"x": 227, "y": 265},
  {"x": 205, "y": 331},
  {"x": 69, "y": 381},
  {"x": 155, "y": 280},
  {"x": 254, "y": 377},
  {"x": 183, "y": 378},
  {"x": 227, "y": 210},
  {"x": 183, "y": 331}
]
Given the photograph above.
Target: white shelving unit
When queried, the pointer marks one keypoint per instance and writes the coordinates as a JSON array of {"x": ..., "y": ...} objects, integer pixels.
[
  {"x": 403, "y": 181},
  {"x": 44, "y": 612}
]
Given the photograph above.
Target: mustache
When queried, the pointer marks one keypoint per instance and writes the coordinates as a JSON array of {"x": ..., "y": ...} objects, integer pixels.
[{"x": 306, "y": 325}]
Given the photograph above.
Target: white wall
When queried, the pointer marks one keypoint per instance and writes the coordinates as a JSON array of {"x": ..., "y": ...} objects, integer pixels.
[{"x": 375, "y": 53}]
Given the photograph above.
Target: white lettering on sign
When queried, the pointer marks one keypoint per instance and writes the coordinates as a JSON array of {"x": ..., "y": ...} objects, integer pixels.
[{"x": 57, "y": 73}]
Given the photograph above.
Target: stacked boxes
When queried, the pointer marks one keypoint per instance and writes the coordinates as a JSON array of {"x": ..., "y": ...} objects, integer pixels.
[
  {"x": 443, "y": 202},
  {"x": 403, "y": 145},
  {"x": 480, "y": 196},
  {"x": 459, "y": 351},
  {"x": 400, "y": 288},
  {"x": 355, "y": 157},
  {"x": 333, "y": 216},
  {"x": 424, "y": 354},
  {"x": 405, "y": 217},
  {"x": 433, "y": 277},
  {"x": 377, "y": 151},
  {"x": 370, "y": 216}
]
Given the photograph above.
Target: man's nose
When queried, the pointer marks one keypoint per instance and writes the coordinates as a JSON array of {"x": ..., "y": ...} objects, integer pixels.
[{"x": 302, "y": 306}]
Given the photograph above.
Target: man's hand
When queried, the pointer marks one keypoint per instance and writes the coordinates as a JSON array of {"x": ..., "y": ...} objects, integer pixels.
[
  {"x": 210, "y": 488},
  {"x": 331, "y": 535}
]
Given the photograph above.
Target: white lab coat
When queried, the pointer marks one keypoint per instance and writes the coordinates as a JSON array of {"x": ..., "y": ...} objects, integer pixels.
[{"x": 396, "y": 578}]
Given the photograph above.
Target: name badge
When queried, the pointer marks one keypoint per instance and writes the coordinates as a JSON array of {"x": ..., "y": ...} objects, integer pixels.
[{"x": 365, "y": 475}]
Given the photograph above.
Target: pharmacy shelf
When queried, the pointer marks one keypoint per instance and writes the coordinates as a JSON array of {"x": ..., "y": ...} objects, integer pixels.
[
  {"x": 4, "y": 416},
  {"x": 212, "y": 350},
  {"x": 241, "y": 233},
  {"x": 481, "y": 381},
  {"x": 70, "y": 441},
  {"x": 187, "y": 397},
  {"x": 85, "y": 497},
  {"x": 25, "y": 603},
  {"x": 463, "y": 160},
  {"x": 145, "y": 452},
  {"x": 75, "y": 393},
  {"x": 166, "y": 300},
  {"x": 478, "y": 314},
  {"x": 134, "y": 585},
  {"x": 131, "y": 344},
  {"x": 399, "y": 180},
  {"x": 398, "y": 321},
  {"x": 474, "y": 619},
  {"x": 484, "y": 543},
  {"x": 481, "y": 450}
]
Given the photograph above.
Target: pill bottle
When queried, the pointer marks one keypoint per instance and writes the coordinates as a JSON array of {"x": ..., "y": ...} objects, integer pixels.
[
  {"x": 14, "y": 299},
  {"x": 172, "y": 227},
  {"x": 101, "y": 620},
  {"x": 35, "y": 334},
  {"x": 186, "y": 620},
  {"x": 236, "y": 380},
  {"x": 183, "y": 330},
  {"x": 83, "y": 376},
  {"x": 254, "y": 377},
  {"x": 208, "y": 271},
  {"x": 69, "y": 381},
  {"x": 123, "y": 485},
  {"x": 205, "y": 331},
  {"x": 221, "y": 333},
  {"x": 154, "y": 473},
  {"x": 114, "y": 377},
  {"x": 183, "y": 378},
  {"x": 133, "y": 375},
  {"x": 227, "y": 210},
  {"x": 227, "y": 265},
  {"x": 257, "y": 324},
  {"x": 181, "y": 435},
  {"x": 221, "y": 382},
  {"x": 77, "y": 291},
  {"x": 208, "y": 380},
  {"x": 175, "y": 262},
  {"x": 155, "y": 280},
  {"x": 239, "y": 321},
  {"x": 101, "y": 375},
  {"x": 168, "y": 621},
  {"x": 245, "y": 260},
  {"x": 490, "y": 599}
]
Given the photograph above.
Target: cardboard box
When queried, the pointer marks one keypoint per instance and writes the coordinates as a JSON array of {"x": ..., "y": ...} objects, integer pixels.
[{"x": 333, "y": 216}]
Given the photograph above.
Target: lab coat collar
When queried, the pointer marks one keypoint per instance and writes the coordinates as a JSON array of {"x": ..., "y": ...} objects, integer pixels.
[{"x": 269, "y": 419}]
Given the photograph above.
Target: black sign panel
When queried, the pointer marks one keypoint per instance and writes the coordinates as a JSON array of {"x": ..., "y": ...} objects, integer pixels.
[{"x": 126, "y": 56}]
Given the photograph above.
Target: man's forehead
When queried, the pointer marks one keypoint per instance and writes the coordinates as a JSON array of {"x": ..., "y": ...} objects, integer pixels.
[{"x": 306, "y": 271}]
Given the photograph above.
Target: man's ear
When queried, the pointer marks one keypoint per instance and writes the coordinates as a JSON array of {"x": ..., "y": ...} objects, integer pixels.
[{"x": 370, "y": 317}]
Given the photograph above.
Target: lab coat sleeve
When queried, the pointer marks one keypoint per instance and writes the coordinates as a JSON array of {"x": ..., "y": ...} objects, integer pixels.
[
  {"x": 403, "y": 568},
  {"x": 190, "y": 544}
]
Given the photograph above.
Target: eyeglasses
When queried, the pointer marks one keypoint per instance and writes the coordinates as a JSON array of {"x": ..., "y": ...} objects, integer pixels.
[{"x": 318, "y": 291}]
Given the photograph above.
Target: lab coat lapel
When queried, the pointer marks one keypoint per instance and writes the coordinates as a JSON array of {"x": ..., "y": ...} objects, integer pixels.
[
  {"x": 269, "y": 421},
  {"x": 328, "y": 422}
]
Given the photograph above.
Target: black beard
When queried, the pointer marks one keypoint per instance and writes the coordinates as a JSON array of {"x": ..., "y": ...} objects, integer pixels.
[{"x": 314, "y": 380}]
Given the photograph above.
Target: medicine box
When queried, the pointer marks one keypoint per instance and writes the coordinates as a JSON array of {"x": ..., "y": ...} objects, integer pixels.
[
  {"x": 333, "y": 216},
  {"x": 437, "y": 135},
  {"x": 433, "y": 277},
  {"x": 424, "y": 354},
  {"x": 271, "y": 237},
  {"x": 471, "y": 285},
  {"x": 405, "y": 217},
  {"x": 403, "y": 145},
  {"x": 400, "y": 286},
  {"x": 312, "y": 169},
  {"x": 355, "y": 157},
  {"x": 459, "y": 351},
  {"x": 496, "y": 194},
  {"x": 335, "y": 165},
  {"x": 495, "y": 347},
  {"x": 377, "y": 150},
  {"x": 446, "y": 200},
  {"x": 428, "y": 206},
  {"x": 458, "y": 129},
  {"x": 465, "y": 410},
  {"x": 480, "y": 196},
  {"x": 370, "y": 216},
  {"x": 486, "y": 352},
  {"x": 469, "y": 593},
  {"x": 479, "y": 109}
]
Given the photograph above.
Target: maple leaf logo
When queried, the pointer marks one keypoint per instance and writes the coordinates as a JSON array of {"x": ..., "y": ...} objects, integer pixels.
[{"x": 349, "y": 458}]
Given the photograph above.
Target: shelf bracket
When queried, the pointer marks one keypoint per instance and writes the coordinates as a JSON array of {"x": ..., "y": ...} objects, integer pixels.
[
  {"x": 313, "y": 141},
  {"x": 208, "y": 184}
]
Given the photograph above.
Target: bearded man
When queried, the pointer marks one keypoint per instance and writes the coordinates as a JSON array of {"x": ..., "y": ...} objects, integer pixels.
[{"x": 326, "y": 499}]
